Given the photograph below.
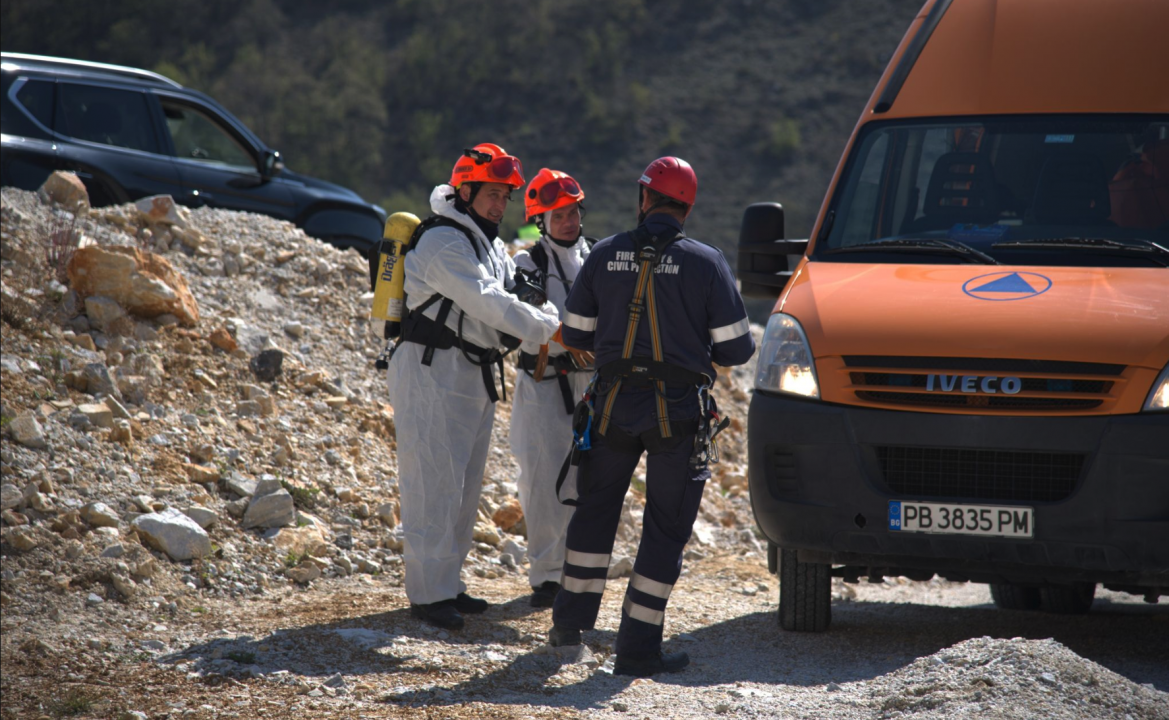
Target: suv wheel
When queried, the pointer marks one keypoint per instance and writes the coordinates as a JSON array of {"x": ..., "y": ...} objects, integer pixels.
[
  {"x": 805, "y": 594},
  {"x": 349, "y": 242},
  {"x": 1074, "y": 599},
  {"x": 1014, "y": 597}
]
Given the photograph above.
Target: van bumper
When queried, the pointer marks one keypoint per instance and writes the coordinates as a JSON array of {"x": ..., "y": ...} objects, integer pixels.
[{"x": 819, "y": 484}]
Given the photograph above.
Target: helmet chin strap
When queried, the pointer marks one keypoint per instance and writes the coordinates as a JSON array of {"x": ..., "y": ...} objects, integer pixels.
[{"x": 643, "y": 214}]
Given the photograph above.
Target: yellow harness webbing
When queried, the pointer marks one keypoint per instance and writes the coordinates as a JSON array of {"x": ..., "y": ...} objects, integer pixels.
[{"x": 645, "y": 289}]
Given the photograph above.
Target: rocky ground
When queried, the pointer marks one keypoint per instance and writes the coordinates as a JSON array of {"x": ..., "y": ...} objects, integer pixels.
[{"x": 200, "y": 520}]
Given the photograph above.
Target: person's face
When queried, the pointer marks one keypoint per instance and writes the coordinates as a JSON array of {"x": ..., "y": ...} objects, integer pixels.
[
  {"x": 490, "y": 202},
  {"x": 565, "y": 223}
]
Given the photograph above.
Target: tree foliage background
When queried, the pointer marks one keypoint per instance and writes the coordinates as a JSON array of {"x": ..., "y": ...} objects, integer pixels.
[{"x": 381, "y": 96}]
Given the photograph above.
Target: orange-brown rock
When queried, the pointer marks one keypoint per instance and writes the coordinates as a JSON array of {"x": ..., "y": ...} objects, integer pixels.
[
  {"x": 223, "y": 340},
  {"x": 65, "y": 188},
  {"x": 143, "y": 283},
  {"x": 508, "y": 514},
  {"x": 201, "y": 473}
]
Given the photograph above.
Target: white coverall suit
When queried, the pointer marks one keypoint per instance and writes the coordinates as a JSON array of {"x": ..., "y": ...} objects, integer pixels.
[
  {"x": 541, "y": 429},
  {"x": 442, "y": 412}
]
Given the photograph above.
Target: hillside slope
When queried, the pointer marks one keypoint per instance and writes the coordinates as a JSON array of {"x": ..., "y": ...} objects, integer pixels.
[{"x": 760, "y": 96}]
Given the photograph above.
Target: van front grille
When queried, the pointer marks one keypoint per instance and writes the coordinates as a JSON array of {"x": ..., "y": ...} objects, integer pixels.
[
  {"x": 976, "y": 401},
  {"x": 981, "y": 383},
  {"x": 964, "y": 473}
]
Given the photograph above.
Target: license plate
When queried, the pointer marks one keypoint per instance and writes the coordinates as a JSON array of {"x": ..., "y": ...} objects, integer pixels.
[{"x": 923, "y": 517}]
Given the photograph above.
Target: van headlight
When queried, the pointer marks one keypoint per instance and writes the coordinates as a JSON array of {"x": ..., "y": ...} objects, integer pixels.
[
  {"x": 1159, "y": 395},
  {"x": 785, "y": 359}
]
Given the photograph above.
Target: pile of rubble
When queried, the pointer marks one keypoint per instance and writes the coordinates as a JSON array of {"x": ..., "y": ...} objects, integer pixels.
[{"x": 190, "y": 408}]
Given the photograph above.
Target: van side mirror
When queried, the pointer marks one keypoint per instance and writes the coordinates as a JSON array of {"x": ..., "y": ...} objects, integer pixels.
[
  {"x": 765, "y": 258},
  {"x": 271, "y": 164}
]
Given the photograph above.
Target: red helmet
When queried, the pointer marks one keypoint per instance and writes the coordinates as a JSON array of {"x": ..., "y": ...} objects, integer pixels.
[
  {"x": 672, "y": 177},
  {"x": 487, "y": 162},
  {"x": 550, "y": 190}
]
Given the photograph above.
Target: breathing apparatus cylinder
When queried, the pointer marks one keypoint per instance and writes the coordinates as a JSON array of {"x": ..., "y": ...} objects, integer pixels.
[{"x": 390, "y": 290}]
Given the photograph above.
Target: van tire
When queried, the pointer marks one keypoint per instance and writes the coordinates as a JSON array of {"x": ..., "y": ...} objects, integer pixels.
[
  {"x": 1014, "y": 597},
  {"x": 805, "y": 594},
  {"x": 1074, "y": 599}
]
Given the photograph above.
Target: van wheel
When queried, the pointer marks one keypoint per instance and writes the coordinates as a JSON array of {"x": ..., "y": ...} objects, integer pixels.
[
  {"x": 1074, "y": 599},
  {"x": 805, "y": 594},
  {"x": 1014, "y": 597}
]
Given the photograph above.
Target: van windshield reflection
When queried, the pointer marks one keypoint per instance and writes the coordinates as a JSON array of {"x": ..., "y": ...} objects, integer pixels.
[{"x": 1048, "y": 190}]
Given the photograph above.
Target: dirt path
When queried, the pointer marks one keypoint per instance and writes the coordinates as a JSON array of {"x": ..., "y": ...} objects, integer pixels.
[{"x": 350, "y": 649}]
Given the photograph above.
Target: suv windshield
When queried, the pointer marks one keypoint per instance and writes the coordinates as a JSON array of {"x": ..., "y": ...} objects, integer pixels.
[{"x": 1050, "y": 190}]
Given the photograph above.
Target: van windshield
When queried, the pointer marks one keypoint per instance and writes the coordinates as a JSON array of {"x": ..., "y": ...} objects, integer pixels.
[{"x": 1044, "y": 190}]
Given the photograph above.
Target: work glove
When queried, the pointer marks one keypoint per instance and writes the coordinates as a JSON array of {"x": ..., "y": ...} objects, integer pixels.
[{"x": 582, "y": 358}]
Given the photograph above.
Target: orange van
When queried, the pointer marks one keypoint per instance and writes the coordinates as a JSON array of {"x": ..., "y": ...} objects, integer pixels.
[{"x": 966, "y": 373}]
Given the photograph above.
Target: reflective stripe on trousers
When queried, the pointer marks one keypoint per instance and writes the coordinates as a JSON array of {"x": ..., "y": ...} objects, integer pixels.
[{"x": 673, "y": 494}]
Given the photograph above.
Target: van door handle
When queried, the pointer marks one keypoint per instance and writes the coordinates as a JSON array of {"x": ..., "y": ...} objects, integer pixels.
[{"x": 199, "y": 199}]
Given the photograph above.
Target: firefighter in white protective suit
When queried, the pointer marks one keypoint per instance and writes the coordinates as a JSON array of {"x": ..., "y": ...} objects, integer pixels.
[
  {"x": 541, "y": 418},
  {"x": 442, "y": 374}
]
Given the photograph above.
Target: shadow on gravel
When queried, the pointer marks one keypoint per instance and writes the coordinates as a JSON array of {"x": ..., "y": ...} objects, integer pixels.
[
  {"x": 866, "y": 640},
  {"x": 363, "y": 645},
  {"x": 870, "y": 639}
]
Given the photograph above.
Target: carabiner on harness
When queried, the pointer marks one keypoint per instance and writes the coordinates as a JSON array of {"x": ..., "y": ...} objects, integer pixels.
[
  {"x": 705, "y": 441},
  {"x": 582, "y": 422},
  {"x": 383, "y": 358}
]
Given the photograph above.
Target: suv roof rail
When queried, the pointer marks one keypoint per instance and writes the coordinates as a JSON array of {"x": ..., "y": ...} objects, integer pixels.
[{"x": 103, "y": 67}]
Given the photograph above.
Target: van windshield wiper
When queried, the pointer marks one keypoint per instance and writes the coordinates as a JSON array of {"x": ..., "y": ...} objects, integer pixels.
[
  {"x": 943, "y": 245},
  {"x": 1151, "y": 250}
]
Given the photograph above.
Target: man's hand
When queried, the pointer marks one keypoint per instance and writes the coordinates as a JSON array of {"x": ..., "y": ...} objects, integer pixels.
[{"x": 582, "y": 358}]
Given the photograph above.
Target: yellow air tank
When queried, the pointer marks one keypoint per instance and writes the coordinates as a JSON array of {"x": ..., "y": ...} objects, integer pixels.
[{"x": 389, "y": 291}]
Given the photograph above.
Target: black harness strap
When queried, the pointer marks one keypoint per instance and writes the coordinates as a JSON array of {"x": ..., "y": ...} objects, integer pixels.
[
  {"x": 435, "y": 335},
  {"x": 639, "y": 371},
  {"x": 563, "y": 365}
]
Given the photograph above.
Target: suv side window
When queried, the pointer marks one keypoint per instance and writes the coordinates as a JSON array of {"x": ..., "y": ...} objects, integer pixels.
[
  {"x": 199, "y": 137},
  {"x": 105, "y": 115},
  {"x": 36, "y": 97}
]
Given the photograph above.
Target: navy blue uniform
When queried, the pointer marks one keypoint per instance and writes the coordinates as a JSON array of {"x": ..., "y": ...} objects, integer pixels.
[{"x": 702, "y": 321}]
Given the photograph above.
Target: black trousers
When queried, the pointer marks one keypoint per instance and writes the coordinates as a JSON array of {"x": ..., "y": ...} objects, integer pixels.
[{"x": 673, "y": 494}]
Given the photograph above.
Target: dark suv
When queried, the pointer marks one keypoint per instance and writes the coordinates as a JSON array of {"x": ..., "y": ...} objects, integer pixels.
[{"x": 131, "y": 133}]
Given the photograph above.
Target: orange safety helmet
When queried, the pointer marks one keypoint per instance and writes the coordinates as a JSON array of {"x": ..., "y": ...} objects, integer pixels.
[
  {"x": 551, "y": 190},
  {"x": 487, "y": 163}
]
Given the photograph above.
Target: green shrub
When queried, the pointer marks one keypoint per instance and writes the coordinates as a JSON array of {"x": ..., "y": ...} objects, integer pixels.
[{"x": 783, "y": 138}]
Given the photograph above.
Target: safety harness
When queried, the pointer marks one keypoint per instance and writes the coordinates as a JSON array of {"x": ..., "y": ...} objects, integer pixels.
[
  {"x": 435, "y": 335},
  {"x": 562, "y": 364},
  {"x": 635, "y": 372}
]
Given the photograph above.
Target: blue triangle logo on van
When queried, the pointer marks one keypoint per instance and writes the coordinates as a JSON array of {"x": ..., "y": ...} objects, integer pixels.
[
  {"x": 1012, "y": 283},
  {"x": 1002, "y": 286}
]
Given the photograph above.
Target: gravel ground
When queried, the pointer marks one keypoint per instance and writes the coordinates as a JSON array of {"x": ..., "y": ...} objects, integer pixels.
[{"x": 306, "y": 617}]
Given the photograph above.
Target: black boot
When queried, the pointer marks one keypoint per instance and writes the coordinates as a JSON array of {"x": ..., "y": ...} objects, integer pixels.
[
  {"x": 545, "y": 595},
  {"x": 562, "y": 636},
  {"x": 440, "y": 614},
  {"x": 652, "y": 665},
  {"x": 468, "y": 605}
]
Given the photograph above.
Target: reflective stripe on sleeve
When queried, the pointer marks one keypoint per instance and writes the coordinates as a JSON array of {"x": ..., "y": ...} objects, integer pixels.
[
  {"x": 650, "y": 587},
  {"x": 642, "y": 613},
  {"x": 588, "y": 560},
  {"x": 580, "y": 322},
  {"x": 576, "y": 585},
  {"x": 730, "y": 332}
]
